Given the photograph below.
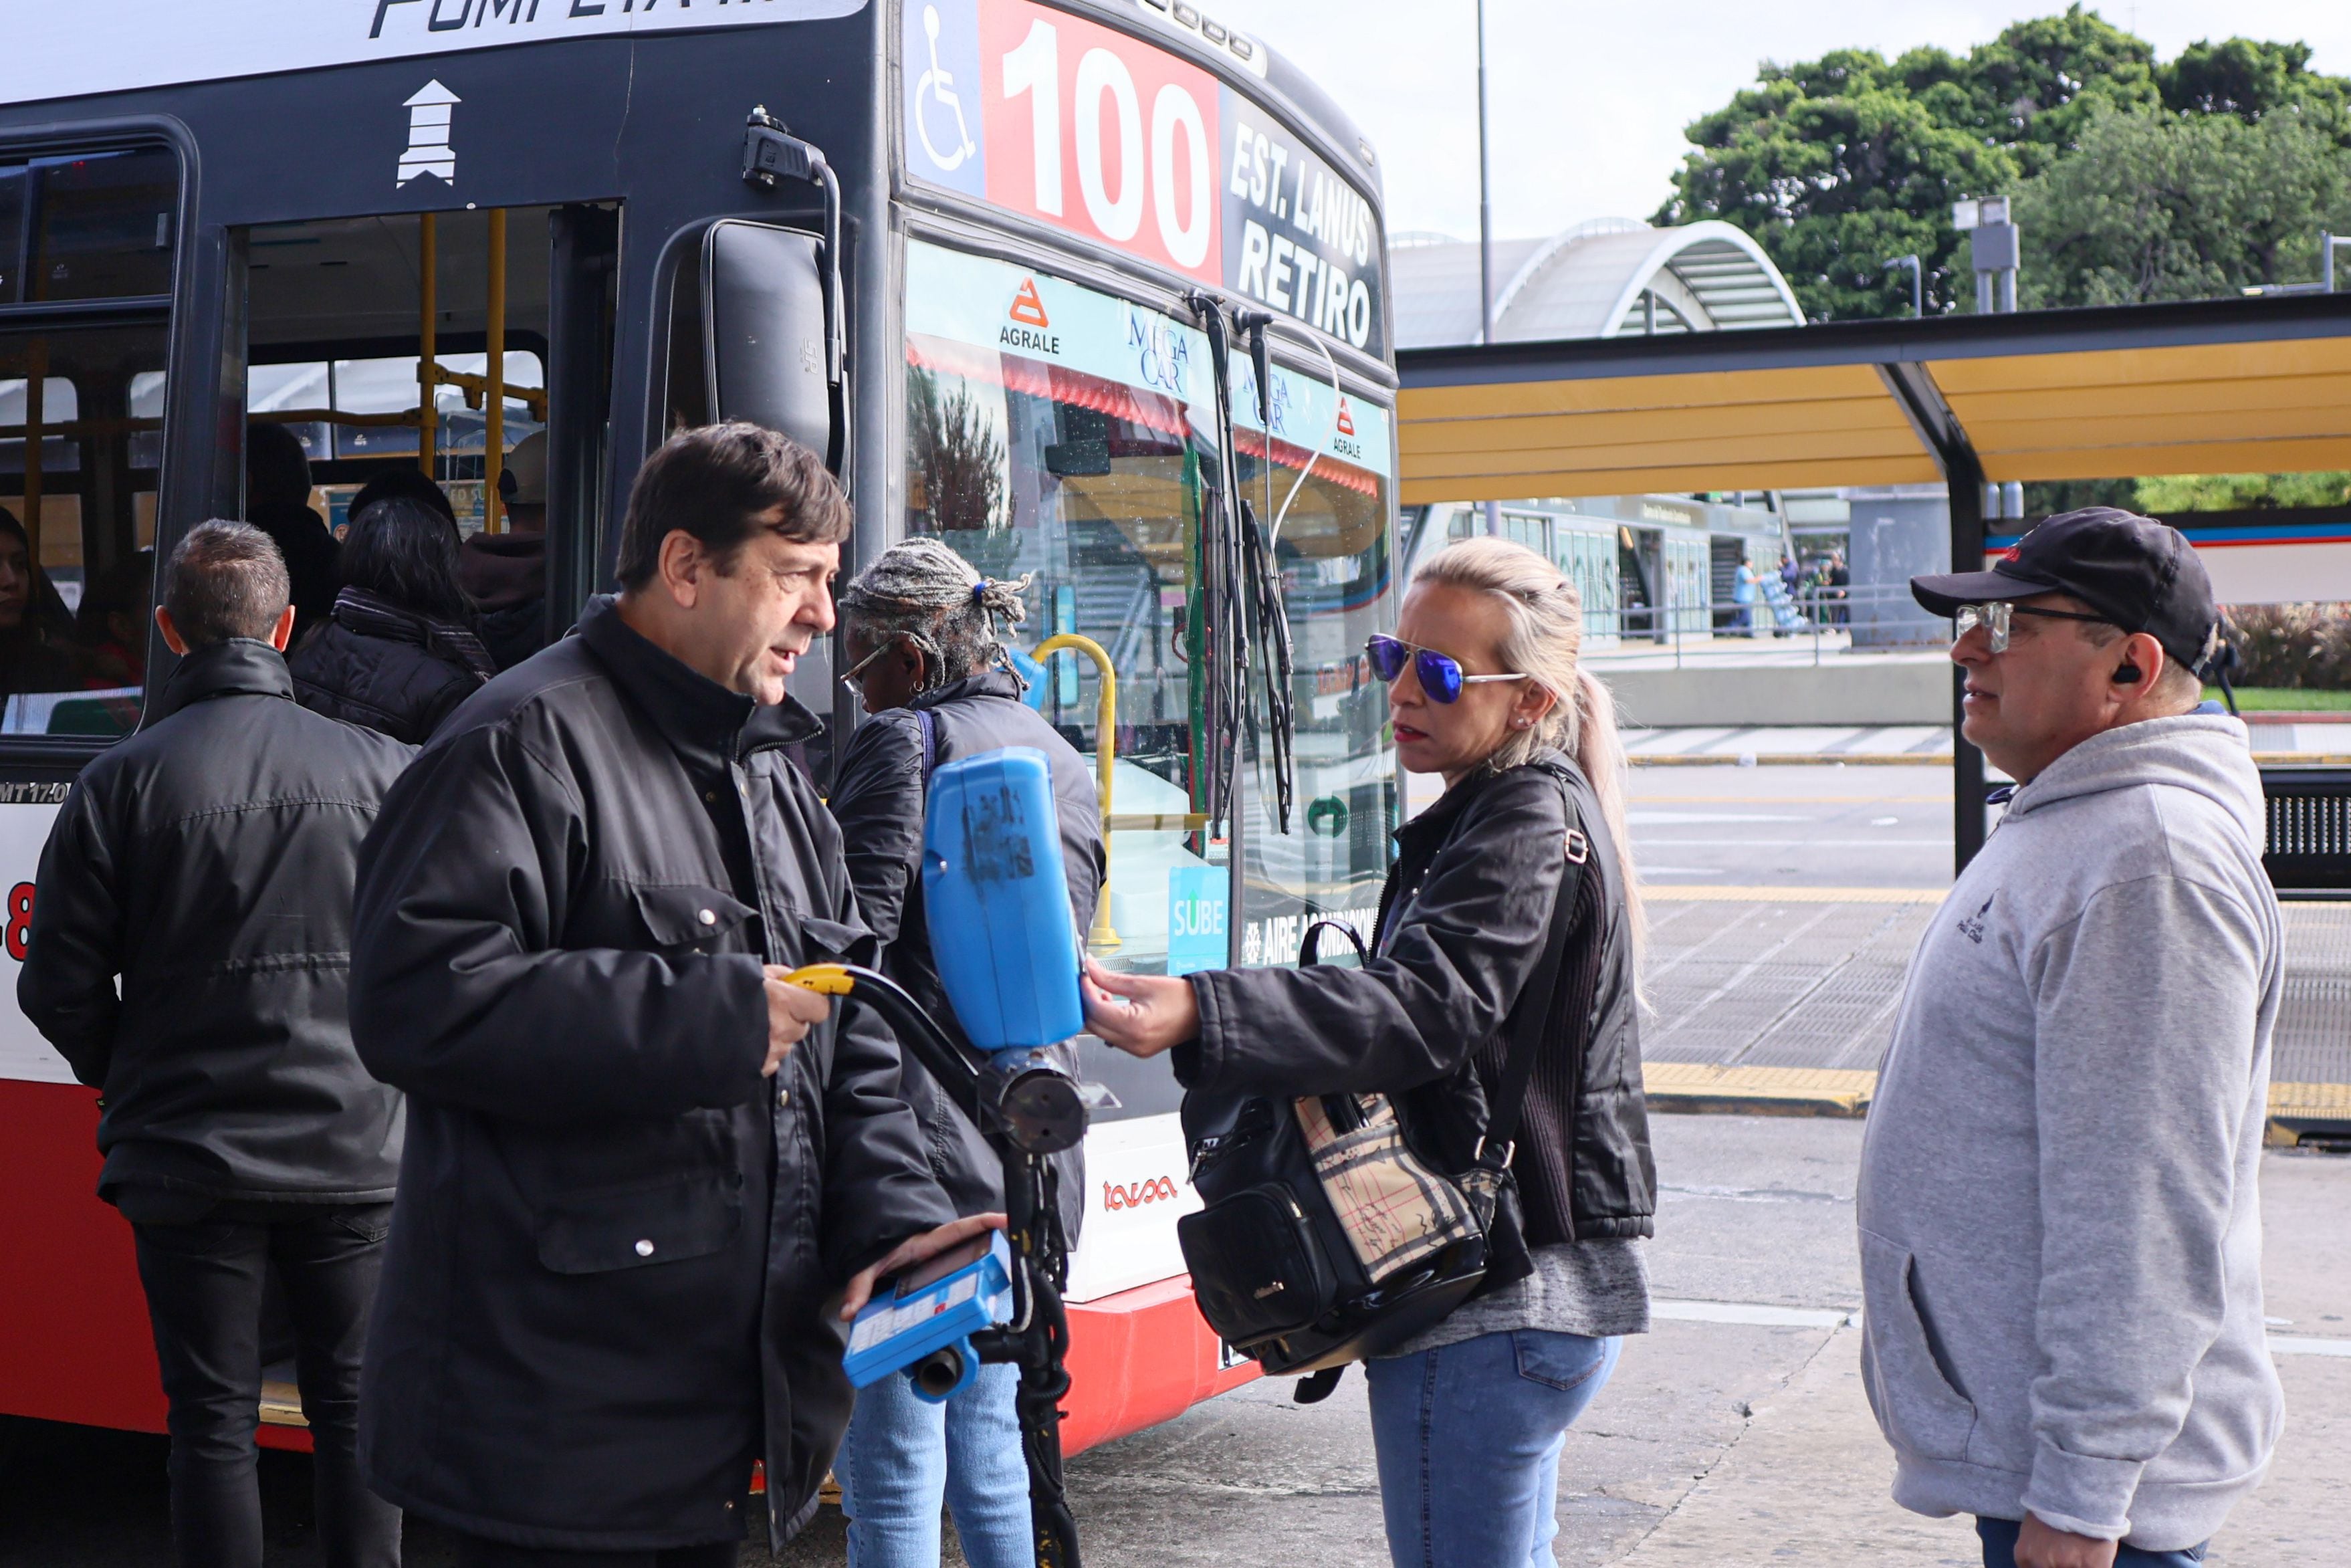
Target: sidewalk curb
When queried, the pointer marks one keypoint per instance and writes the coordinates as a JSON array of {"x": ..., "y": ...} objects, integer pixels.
[
  {"x": 1705, "y": 1089},
  {"x": 2296, "y": 1111}
]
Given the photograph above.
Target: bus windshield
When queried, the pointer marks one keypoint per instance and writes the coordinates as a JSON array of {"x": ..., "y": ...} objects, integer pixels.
[{"x": 1061, "y": 432}]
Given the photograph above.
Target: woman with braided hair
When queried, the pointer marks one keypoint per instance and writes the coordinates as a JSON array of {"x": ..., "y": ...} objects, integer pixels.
[{"x": 924, "y": 656}]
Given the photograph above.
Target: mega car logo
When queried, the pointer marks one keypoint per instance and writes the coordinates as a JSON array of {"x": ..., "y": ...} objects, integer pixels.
[{"x": 1135, "y": 1194}]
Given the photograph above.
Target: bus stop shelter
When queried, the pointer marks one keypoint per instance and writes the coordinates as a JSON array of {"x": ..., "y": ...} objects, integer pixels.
[{"x": 2222, "y": 386}]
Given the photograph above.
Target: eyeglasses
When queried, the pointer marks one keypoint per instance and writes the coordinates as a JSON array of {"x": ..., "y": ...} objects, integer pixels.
[
  {"x": 851, "y": 677},
  {"x": 1994, "y": 617},
  {"x": 1440, "y": 676}
]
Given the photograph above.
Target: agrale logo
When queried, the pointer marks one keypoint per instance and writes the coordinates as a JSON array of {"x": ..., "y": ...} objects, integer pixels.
[
  {"x": 1135, "y": 1194},
  {"x": 1027, "y": 308},
  {"x": 1346, "y": 419}
]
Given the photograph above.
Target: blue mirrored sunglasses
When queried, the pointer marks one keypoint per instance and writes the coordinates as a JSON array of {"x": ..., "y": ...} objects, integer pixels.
[{"x": 1440, "y": 676}]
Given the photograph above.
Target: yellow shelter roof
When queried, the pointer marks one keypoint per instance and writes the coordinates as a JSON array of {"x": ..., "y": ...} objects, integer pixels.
[{"x": 2253, "y": 385}]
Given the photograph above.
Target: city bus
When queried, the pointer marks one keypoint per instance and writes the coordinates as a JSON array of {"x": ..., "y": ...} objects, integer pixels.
[{"x": 1060, "y": 284}]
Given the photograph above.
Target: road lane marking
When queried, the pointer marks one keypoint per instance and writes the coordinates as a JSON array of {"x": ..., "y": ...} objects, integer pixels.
[
  {"x": 1734, "y": 895},
  {"x": 2304, "y": 1345},
  {"x": 1756, "y": 1313}
]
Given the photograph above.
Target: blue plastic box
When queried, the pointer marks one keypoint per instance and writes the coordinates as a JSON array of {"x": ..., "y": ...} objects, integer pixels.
[
  {"x": 892, "y": 1331},
  {"x": 998, "y": 902}
]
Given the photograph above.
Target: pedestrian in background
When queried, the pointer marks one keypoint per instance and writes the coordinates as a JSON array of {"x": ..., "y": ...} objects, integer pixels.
[
  {"x": 2060, "y": 1230},
  {"x": 398, "y": 654},
  {"x": 643, "y": 1168},
  {"x": 505, "y": 574},
  {"x": 925, "y": 661},
  {"x": 1469, "y": 1419},
  {"x": 277, "y": 502},
  {"x": 190, "y": 958}
]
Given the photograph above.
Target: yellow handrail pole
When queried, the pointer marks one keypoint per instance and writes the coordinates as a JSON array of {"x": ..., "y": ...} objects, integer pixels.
[
  {"x": 428, "y": 264},
  {"x": 494, "y": 396},
  {"x": 37, "y": 373},
  {"x": 1105, "y": 752}
]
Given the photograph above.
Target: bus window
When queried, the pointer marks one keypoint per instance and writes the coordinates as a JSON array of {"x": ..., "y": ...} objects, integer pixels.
[
  {"x": 1060, "y": 432},
  {"x": 76, "y": 508},
  {"x": 101, "y": 226}
]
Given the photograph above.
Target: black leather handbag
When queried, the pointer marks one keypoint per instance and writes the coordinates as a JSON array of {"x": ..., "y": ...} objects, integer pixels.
[{"x": 1325, "y": 1238}]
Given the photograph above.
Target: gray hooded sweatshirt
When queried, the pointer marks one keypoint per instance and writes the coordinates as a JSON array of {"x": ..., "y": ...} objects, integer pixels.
[{"x": 2059, "y": 1234}]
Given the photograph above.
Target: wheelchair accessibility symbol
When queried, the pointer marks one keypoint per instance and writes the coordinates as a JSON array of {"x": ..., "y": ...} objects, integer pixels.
[{"x": 935, "y": 88}]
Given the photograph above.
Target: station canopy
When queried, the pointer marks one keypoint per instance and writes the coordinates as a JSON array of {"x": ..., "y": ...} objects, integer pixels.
[{"x": 2222, "y": 386}]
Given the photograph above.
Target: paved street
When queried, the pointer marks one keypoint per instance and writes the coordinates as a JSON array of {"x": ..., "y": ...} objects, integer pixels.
[{"x": 1827, "y": 826}]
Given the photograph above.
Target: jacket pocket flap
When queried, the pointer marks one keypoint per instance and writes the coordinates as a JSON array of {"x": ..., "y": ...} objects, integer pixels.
[
  {"x": 595, "y": 1234},
  {"x": 679, "y": 914},
  {"x": 832, "y": 939}
]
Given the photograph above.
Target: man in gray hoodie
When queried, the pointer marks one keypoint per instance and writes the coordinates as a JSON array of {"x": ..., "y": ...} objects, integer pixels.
[{"x": 2060, "y": 1235}]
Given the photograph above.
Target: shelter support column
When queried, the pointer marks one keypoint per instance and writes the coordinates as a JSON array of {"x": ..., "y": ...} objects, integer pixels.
[{"x": 1964, "y": 480}]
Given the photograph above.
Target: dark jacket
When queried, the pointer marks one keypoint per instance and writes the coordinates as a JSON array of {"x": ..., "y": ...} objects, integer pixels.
[
  {"x": 602, "y": 1297},
  {"x": 313, "y": 561},
  {"x": 387, "y": 668},
  {"x": 506, "y": 577},
  {"x": 879, "y": 805},
  {"x": 1462, "y": 922},
  {"x": 207, "y": 860}
]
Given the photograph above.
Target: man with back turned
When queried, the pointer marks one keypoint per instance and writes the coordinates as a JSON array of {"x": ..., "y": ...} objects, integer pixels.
[
  {"x": 190, "y": 958},
  {"x": 640, "y": 1166}
]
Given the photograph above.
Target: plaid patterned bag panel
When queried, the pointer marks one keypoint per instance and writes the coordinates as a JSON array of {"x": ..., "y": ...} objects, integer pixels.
[{"x": 1396, "y": 1212}]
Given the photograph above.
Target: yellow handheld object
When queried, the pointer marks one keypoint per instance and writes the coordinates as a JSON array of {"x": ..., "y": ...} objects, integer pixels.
[{"x": 826, "y": 979}]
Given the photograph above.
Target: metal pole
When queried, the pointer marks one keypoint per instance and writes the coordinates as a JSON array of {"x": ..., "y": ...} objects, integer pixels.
[
  {"x": 428, "y": 262},
  {"x": 2327, "y": 243},
  {"x": 494, "y": 396},
  {"x": 1484, "y": 236},
  {"x": 1966, "y": 490},
  {"x": 2008, "y": 290}
]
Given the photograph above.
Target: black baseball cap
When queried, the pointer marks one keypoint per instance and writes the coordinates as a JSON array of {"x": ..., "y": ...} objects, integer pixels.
[{"x": 2139, "y": 574}]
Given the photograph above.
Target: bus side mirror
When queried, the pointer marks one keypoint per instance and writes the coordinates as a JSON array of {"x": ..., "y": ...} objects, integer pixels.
[{"x": 766, "y": 328}]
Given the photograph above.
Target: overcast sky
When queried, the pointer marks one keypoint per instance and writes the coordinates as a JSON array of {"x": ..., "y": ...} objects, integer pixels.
[{"x": 1589, "y": 100}]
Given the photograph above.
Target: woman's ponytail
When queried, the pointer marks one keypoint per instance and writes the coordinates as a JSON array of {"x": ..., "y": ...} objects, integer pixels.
[{"x": 1600, "y": 752}]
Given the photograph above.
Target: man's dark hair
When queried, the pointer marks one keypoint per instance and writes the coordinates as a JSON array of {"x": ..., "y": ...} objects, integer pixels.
[
  {"x": 716, "y": 483},
  {"x": 405, "y": 483},
  {"x": 226, "y": 579},
  {"x": 276, "y": 470},
  {"x": 404, "y": 552}
]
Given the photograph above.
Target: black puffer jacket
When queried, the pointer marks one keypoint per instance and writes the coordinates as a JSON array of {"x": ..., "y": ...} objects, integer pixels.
[
  {"x": 208, "y": 862},
  {"x": 386, "y": 668},
  {"x": 1462, "y": 922},
  {"x": 603, "y": 1294},
  {"x": 879, "y": 805}
]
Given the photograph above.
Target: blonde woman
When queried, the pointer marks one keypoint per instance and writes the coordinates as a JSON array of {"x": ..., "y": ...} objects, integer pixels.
[{"x": 1484, "y": 689}]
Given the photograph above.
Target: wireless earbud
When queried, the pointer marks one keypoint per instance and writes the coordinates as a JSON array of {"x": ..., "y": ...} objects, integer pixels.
[{"x": 2127, "y": 674}]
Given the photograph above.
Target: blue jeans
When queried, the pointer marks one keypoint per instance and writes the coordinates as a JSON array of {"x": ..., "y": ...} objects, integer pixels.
[
  {"x": 1999, "y": 1537},
  {"x": 1468, "y": 1439},
  {"x": 902, "y": 1458}
]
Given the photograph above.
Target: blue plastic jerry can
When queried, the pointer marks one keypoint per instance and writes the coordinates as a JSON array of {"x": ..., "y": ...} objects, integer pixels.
[{"x": 999, "y": 902}]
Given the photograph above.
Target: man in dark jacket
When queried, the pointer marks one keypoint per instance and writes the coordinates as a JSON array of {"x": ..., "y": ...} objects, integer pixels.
[
  {"x": 277, "y": 502},
  {"x": 208, "y": 862},
  {"x": 639, "y": 1163}
]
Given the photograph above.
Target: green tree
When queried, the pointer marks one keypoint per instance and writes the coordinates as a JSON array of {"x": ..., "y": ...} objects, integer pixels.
[
  {"x": 2256, "y": 81},
  {"x": 2180, "y": 206},
  {"x": 1836, "y": 166}
]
